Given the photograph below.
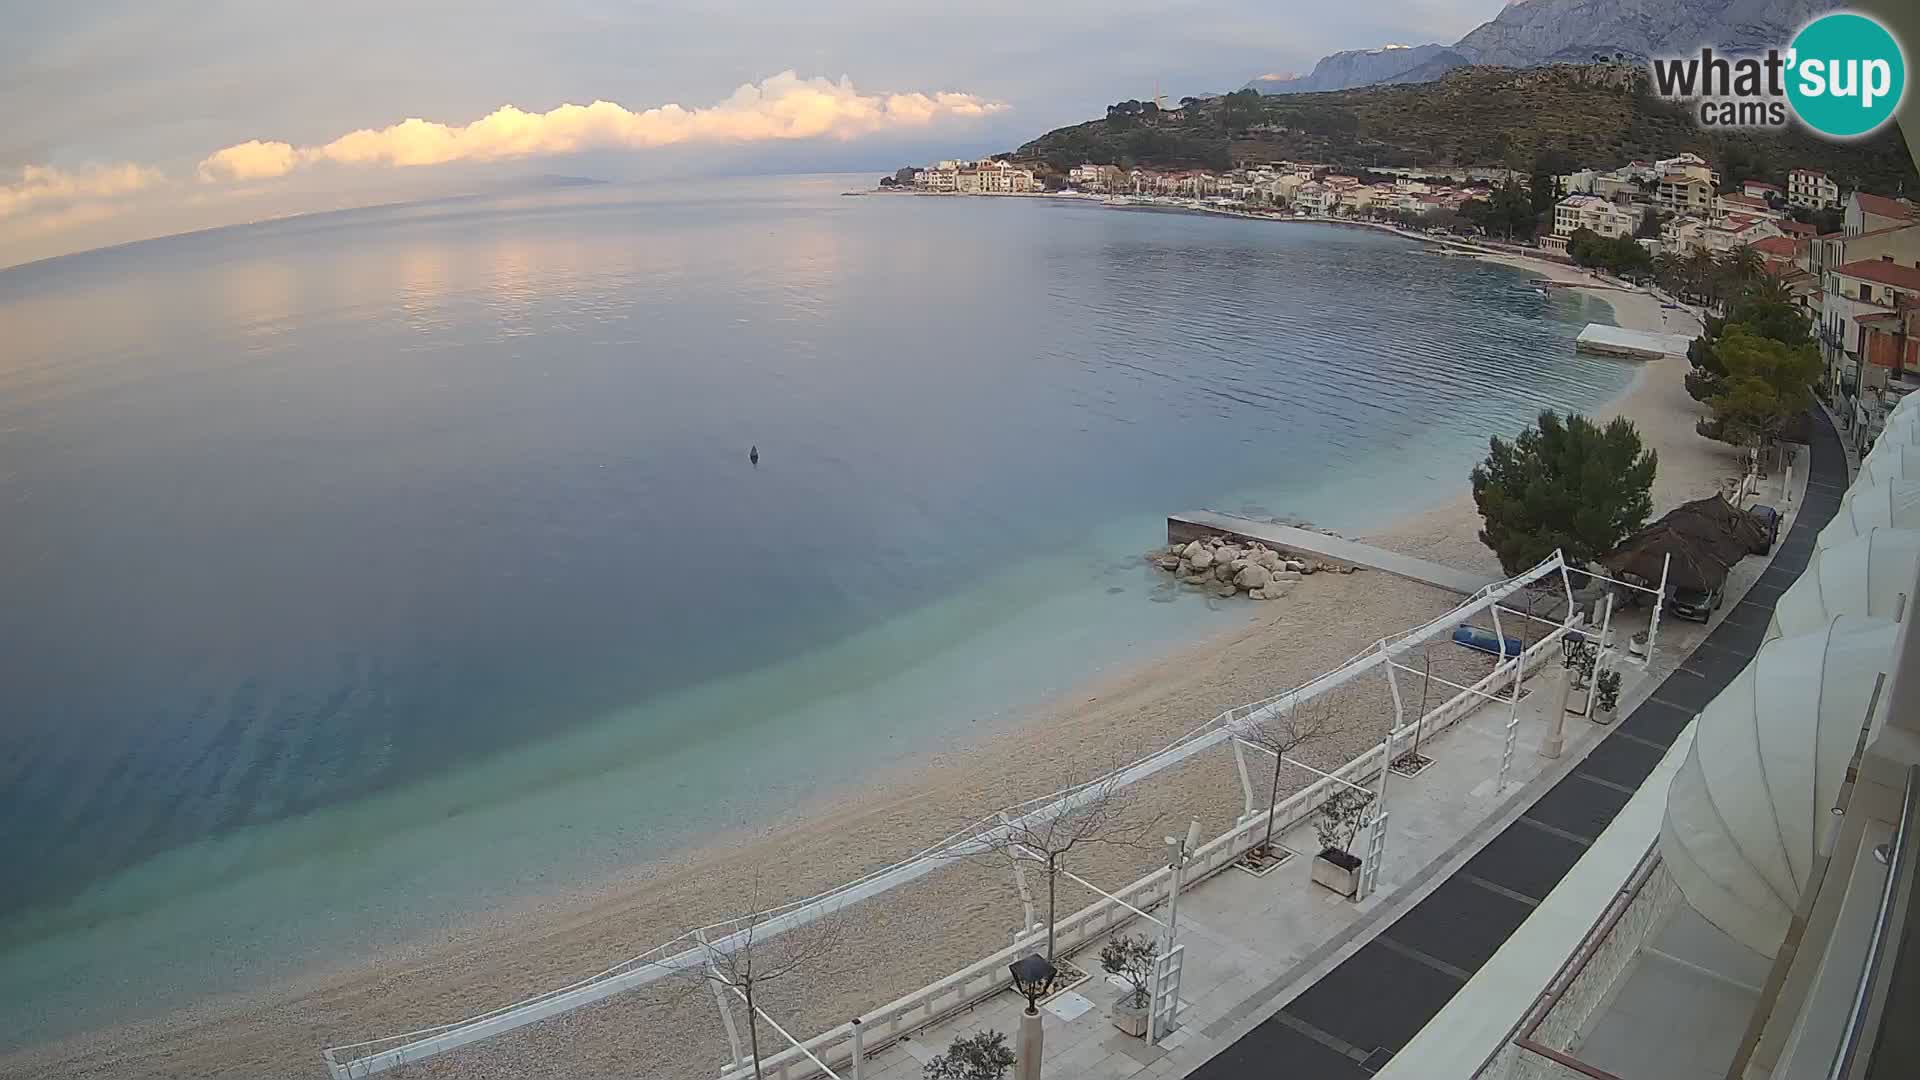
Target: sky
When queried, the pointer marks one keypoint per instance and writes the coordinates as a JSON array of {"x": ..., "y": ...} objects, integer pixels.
[{"x": 128, "y": 119}]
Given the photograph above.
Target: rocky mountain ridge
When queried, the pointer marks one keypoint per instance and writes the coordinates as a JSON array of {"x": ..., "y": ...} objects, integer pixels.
[{"x": 1528, "y": 33}]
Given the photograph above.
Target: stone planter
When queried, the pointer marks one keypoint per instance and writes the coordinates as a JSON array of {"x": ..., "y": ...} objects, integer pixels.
[
  {"x": 1129, "y": 1019},
  {"x": 1338, "y": 871}
]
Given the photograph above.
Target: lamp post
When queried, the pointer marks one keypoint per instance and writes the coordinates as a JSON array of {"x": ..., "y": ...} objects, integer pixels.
[
  {"x": 1183, "y": 847},
  {"x": 1033, "y": 978}
]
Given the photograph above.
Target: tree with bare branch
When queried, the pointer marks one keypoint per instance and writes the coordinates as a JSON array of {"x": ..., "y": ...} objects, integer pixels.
[
  {"x": 1088, "y": 813},
  {"x": 1281, "y": 730},
  {"x": 737, "y": 962}
]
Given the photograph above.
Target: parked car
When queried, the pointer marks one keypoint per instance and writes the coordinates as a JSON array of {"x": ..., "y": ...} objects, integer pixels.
[
  {"x": 1769, "y": 520},
  {"x": 1698, "y": 604}
]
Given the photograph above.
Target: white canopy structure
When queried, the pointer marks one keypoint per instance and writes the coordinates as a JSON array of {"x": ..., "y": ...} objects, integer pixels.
[
  {"x": 1748, "y": 807},
  {"x": 1869, "y": 574},
  {"x": 1894, "y": 504},
  {"x": 1891, "y": 459}
]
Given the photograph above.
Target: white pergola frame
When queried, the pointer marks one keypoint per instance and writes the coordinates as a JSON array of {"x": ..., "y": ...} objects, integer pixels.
[{"x": 687, "y": 953}]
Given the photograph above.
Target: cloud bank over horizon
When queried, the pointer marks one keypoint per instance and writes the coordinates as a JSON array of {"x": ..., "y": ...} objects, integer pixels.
[
  {"x": 782, "y": 107},
  {"x": 43, "y": 188},
  {"x": 41, "y": 202}
]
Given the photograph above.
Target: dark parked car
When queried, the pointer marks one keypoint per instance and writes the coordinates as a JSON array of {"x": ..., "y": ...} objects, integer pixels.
[
  {"x": 1698, "y": 604},
  {"x": 1769, "y": 520}
]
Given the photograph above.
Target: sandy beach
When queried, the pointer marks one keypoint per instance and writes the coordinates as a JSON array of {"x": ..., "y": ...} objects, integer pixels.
[{"x": 915, "y": 934}]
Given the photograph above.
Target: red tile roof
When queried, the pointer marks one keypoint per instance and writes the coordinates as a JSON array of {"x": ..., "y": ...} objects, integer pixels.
[
  {"x": 1797, "y": 228},
  {"x": 1881, "y": 206},
  {"x": 1759, "y": 184},
  {"x": 1778, "y": 246},
  {"x": 1886, "y": 273},
  {"x": 1747, "y": 200}
]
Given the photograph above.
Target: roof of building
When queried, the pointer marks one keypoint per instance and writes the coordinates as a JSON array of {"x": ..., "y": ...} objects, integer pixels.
[
  {"x": 1879, "y": 270},
  {"x": 1808, "y": 172},
  {"x": 1759, "y": 184},
  {"x": 1785, "y": 246},
  {"x": 1881, "y": 206},
  {"x": 1797, "y": 228},
  {"x": 1746, "y": 200}
]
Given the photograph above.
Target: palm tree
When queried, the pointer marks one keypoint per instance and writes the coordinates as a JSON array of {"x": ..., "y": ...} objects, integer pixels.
[
  {"x": 1667, "y": 271},
  {"x": 1698, "y": 273},
  {"x": 1740, "y": 267}
]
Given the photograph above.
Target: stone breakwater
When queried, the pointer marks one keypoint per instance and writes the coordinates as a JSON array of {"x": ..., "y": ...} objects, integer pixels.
[{"x": 1226, "y": 568}]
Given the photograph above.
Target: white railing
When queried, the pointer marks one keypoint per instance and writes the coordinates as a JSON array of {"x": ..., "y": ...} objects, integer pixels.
[
  {"x": 936, "y": 1001},
  {"x": 683, "y": 954}
]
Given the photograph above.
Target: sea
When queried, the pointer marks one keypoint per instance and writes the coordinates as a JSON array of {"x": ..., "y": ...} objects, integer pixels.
[{"x": 368, "y": 570}]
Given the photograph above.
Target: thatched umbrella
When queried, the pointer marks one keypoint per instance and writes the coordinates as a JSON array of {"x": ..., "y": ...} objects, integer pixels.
[
  {"x": 1696, "y": 564},
  {"x": 1731, "y": 532}
]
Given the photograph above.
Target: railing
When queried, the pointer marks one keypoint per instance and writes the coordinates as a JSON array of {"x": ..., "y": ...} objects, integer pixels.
[
  {"x": 935, "y": 1002},
  {"x": 364, "y": 1059},
  {"x": 1869, "y": 996},
  {"x": 1557, "y": 1015}
]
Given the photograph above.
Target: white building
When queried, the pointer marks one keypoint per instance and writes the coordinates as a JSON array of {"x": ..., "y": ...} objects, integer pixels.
[
  {"x": 1091, "y": 177},
  {"x": 1576, "y": 212},
  {"x": 1812, "y": 188}
]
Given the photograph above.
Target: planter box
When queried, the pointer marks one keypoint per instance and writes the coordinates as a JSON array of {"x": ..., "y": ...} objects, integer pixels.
[
  {"x": 1338, "y": 871},
  {"x": 1129, "y": 1019}
]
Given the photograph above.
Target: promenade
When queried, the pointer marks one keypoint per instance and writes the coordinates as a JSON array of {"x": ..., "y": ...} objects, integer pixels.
[{"x": 1283, "y": 977}]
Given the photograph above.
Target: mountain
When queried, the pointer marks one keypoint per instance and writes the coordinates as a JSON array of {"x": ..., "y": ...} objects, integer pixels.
[
  {"x": 1528, "y": 33},
  {"x": 1359, "y": 67},
  {"x": 1533, "y": 32}
]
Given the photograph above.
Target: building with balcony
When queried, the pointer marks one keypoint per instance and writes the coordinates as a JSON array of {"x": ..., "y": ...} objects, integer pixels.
[
  {"x": 1812, "y": 188},
  {"x": 1684, "y": 193},
  {"x": 1576, "y": 212}
]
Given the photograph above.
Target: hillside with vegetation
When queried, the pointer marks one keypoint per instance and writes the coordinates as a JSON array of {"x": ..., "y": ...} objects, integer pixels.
[{"x": 1577, "y": 114}]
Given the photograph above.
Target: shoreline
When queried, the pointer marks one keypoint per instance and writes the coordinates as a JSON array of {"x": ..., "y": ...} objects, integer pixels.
[{"x": 544, "y": 941}]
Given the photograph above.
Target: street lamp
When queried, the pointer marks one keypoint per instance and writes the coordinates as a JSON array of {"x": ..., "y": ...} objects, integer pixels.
[{"x": 1033, "y": 977}]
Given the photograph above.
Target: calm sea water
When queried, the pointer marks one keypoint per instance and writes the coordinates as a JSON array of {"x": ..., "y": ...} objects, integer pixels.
[{"x": 367, "y": 569}]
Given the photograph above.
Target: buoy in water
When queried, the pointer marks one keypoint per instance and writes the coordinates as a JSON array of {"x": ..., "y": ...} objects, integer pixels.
[{"x": 753, "y": 455}]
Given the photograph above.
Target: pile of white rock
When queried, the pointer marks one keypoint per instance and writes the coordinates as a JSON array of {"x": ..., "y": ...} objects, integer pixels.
[{"x": 1226, "y": 568}]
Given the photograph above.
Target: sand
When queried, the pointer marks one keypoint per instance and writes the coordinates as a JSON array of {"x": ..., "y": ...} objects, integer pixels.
[{"x": 913, "y": 935}]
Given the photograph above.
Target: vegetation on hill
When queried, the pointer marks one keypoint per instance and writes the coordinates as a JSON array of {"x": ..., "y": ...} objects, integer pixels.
[{"x": 1583, "y": 114}]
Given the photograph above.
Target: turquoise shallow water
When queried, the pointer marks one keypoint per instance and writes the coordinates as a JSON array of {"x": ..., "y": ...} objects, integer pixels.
[{"x": 371, "y": 569}]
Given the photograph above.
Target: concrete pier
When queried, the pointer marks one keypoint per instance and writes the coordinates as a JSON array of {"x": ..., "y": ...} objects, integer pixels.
[{"x": 1198, "y": 524}]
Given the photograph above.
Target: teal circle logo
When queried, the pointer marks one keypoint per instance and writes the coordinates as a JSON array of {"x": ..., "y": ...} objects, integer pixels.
[{"x": 1846, "y": 75}]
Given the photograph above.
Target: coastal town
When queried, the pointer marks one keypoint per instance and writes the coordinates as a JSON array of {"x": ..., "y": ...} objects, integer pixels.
[{"x": 1850, "y": 259}]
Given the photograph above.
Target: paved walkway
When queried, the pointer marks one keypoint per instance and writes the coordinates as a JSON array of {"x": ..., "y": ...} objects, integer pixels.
[
  {"x": 1353, "y": 1019},
  {"x": 1321, "y": 545}
]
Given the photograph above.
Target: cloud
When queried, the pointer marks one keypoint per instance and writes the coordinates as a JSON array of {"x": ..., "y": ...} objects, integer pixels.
[
  {"x": 42, "y": 187},
  {"x": 250, "y": 160},
  {"x": 784, "y": 106}
]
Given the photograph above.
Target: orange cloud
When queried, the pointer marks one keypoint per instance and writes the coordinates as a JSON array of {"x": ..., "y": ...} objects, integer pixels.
[
  {"x": 785, "y": 106},
  {"x": 42, "y": 187}
]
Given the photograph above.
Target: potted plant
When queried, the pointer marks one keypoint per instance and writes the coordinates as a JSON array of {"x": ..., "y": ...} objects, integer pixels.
[
  {"x": 1131, "y": 958},
  {"x": 984, "y": 1055},
  {"x": 1338, "y": 822},
  {"x": 1606, "y": 696}
]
